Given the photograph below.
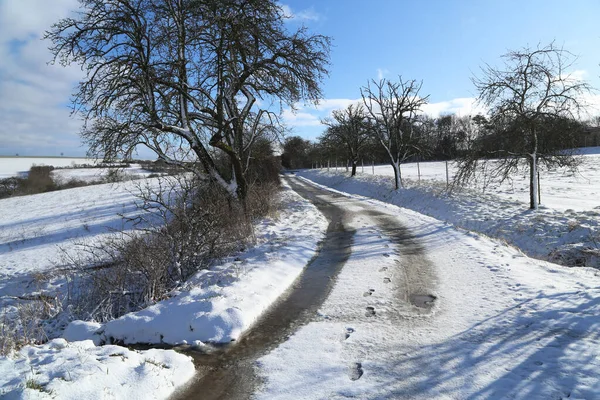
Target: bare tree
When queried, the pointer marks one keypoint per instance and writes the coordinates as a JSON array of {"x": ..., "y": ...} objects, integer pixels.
[
  {"x": 531, "y": 100},
  {"x": 348, "y": 127},
  {"x": 392, "y": 108},
  {"x": 184, "y": 77}
]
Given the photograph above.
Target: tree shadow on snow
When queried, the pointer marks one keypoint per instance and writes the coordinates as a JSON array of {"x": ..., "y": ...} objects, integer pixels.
[{"x": 541, "y": 348}]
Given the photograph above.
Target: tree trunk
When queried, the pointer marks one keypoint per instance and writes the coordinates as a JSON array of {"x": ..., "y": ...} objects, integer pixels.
[
  {"x": 353, "y": 168},
  {"x": 397, "y": 175},
  {"x": 533, "y": 182}
]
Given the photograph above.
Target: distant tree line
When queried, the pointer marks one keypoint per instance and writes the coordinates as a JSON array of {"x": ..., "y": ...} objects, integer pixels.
[{"x": 533, "y": 119}]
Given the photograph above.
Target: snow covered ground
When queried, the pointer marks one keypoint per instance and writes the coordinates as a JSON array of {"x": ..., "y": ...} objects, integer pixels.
[
  {"x": 219, "y": 304},
  {"x": 34, "y": 232},
  {"x": 19, "y": 166},
  {"x": 134, "y": 171},
  {"x": 565, "y": 229},
  {"x": 14, "y": 166},
  {"x": 562, "y": 189},
  {"x": 503, "y": 325},
  {"x": 216, "y": 305},
  {"x": 82, "y": 370}
]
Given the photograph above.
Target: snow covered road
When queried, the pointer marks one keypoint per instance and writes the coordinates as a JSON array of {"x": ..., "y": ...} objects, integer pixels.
[{"x": 502, "y": 325}]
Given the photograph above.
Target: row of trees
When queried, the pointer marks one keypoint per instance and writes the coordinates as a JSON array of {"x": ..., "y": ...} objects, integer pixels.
[
  {"x": 441, "y": 138},
  {"x": 534, "y": 118},
  {"x": 206, "y": 81}
]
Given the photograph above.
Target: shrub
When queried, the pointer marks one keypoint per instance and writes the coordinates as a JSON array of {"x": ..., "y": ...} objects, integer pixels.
[
  {"x": 39, "y": 180},
  {"x": 262, "y": 199},
  {"x": 184, "y": 226},
  {"x": 10, "y": 186},
  {"x": 24, "y": 324},
  {"x": 114, "y": 175}
]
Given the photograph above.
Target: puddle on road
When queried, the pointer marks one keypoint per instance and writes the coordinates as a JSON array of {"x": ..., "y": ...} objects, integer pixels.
[{"x": 423, "y": 300}]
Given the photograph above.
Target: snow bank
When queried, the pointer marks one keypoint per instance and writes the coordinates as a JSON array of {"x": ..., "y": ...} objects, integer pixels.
[
  {"x": 81, "y": 370},
  {"x": 567, "y": 237},
  {"x": 221, "y": 303}
]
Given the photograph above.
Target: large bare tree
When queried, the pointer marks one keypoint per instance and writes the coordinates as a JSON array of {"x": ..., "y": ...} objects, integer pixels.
[
  {"x": 392, "y": 108},
  {"x": 189, "y": 79},
  {"x": 531, "y": 100},
  {"x": 349, "y": 128}
]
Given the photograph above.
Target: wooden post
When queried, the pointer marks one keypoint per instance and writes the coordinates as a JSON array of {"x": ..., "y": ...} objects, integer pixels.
[
  {"x": 447, "y": 176},
  {"x": 373, "y": 165},
  {"x": 328, "y": 164},
  {"x": 419, "y": 171},
  {"x": 362, "y": 161}
]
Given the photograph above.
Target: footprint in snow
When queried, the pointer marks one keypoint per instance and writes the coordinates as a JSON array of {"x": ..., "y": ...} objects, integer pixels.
[
  {"x": 386, "y": 280},
  {"x": 383, "y": 269},
  {"x": 368, "y": 293},
  {"x": 370, "y": 312},
  {"x": 349, "y": 331},
  {"x": 355, "y": 371}
]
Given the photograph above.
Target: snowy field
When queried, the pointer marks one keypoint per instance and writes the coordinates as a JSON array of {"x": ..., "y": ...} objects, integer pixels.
[
  {"x": 564, "y": 230},
  {"x": 219, "y": 304},
  {"x": 561, "y": 189},
  {"x": 19, "y": 166},
  {"x": 134, "y": 171}
]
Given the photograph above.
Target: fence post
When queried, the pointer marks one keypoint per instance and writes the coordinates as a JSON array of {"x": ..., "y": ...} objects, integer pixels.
[
  {"x": 447, "y": 176},
  {"x": 328, "y": 164},
  {"x": 362, "y": 161},
  {"x": 373, "y": 166},
  {"x": 419, "y": 171}
]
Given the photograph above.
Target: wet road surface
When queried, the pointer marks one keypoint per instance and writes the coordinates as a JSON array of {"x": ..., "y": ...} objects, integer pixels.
[{"x": 228, "y": 372}]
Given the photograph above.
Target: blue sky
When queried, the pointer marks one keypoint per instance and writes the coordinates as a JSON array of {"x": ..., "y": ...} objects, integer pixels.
[{"x": 441, "y": 42}]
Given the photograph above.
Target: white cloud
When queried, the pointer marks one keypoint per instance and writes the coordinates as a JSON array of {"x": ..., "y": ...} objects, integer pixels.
[
  {"x": 335, "y": 104},
  {"x": 300, "y": 118},
  {"x": 591, "y": 106},
  {"x": 33, "y": 94},
  {"x": 578, "y": 75},
  {"x": 308, "y": 14},
  {"x": 307, "y": 116},
  {"x": 381, "y": 73},
  {"x": 460, "y": 106},
  {"x": 311, "y": 115}
]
